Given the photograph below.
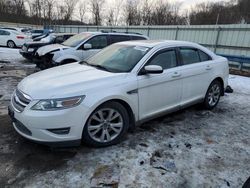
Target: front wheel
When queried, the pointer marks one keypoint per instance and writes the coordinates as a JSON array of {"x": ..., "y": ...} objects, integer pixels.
[
  {"x": 106, "y": 125},
  {"x": 213, "y": 95}
]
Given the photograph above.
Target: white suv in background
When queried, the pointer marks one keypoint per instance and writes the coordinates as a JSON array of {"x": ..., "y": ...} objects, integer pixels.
[
  {"x": 80, "y": 47},
  {"x": 127, "y": 83}
]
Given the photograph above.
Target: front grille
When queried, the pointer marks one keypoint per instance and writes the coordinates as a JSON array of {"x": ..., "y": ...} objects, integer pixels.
[
  {"x": 22, "y": 128},
  {"x": 20, "y": 100}
]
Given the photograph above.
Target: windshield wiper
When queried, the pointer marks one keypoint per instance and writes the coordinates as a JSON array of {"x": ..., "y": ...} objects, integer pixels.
[
  {"x": 92, "y": 65},
  {"x": 84, "y": 63},
  {"x": 101, "y": 67}
]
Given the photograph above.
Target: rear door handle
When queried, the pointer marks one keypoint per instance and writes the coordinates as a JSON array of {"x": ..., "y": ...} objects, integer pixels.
[
  {"x": 208, "y": 67},
  {"x": 176, "y": 75}
]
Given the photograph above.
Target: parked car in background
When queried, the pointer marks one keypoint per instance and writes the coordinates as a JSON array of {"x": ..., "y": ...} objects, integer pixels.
[
  {"x": 128, "y": 83},
  {"x": 29, "y": 49},
  {"x": 80, "y": 47},
  {"x": 20, "y": 29},
  {"x": 39, "y": 32},
  {"x": 12, "y": 38}
]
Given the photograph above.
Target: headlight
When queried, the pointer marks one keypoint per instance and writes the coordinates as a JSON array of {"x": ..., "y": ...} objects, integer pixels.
[
  {"x": 31, "y": 50},
  {"x": 57, "y": 104}
]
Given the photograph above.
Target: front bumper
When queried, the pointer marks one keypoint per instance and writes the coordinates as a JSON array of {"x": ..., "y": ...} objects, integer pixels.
[
  {"x": 27, "y": 55},
  {"x": 38, "y": 125}
]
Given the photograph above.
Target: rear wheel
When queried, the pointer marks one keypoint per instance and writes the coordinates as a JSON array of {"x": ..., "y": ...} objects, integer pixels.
[
  {"x": 213, "y": 95},
  {"x": 106, "y": 125},
  {"x": 11, "y": 44}
]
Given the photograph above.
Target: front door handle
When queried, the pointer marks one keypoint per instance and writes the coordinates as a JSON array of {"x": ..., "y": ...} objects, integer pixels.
[
  {"x": 176, "y": 75},
  {"x": 208, "y": 67}
]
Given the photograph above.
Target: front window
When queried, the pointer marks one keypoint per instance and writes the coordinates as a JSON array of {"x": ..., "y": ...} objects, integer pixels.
[
  {"x": 118, "y": 57},
  {"x": 166, "y": 59},
  {"x": 76, "y": 39},
  {"x": 98, "y": 42}
]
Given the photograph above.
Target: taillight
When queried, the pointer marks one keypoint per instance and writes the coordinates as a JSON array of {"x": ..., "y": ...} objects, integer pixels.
[{"x": 20, "y": 37}]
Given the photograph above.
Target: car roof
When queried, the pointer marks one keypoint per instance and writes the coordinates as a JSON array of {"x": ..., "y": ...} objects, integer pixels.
[
  {"x": 10, "y": 30},
  {"x": 167, "y": 43},
  {"x": 154, "y": 43},
  {"x": 115, "y": 33}
]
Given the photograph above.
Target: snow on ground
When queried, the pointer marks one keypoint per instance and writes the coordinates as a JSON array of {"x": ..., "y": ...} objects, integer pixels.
[
  {"x": 190, "y": 148},
  {"x": 241, "y": 84},
  {"x": 10, "y": 55}
]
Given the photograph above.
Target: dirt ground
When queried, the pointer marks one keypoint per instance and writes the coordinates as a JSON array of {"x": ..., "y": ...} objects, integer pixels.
[{"x": 190, "y": 148}]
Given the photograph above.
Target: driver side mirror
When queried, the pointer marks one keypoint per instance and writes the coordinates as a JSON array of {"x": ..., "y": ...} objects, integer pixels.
[
  {"x": 87, "y": 46},
  {"x": 152, "y": 69}
]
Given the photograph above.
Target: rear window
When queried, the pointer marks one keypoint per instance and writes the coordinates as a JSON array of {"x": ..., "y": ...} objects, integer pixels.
[
  {"x": 138, "y": 38},
  {"x": 204, "y": 56},
  {"x": 189, "y": 56},
  {"x": 118, "y": 38},
  {"x": 2, "y": 32}
]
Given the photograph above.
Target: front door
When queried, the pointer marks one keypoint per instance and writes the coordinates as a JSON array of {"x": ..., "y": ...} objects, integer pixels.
[{"x": 160, "y": 92}]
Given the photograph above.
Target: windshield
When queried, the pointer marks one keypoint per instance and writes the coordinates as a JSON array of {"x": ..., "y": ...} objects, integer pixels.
[
  {"x": 118, "y": 57},
  {"x": 76, "y": 39}
]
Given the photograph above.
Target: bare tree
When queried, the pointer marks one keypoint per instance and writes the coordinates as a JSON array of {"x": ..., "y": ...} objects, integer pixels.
[
  {"x": 146, "y": 13},
  {"x": 69, "y": 9},
  {"x": 48, "y": 9},
  {"x": 82, "y": 7},
  {"x": 132, "y": 13},
  {"x": 113, "y": 13},
  {"x": 208, "y": 13},
  {"x": 110, "y": 17},
  {"x": 243, "y": 8},
  {"x": 96, "y": 7}
]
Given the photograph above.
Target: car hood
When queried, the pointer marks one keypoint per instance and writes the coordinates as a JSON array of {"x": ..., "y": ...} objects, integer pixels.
[
  {"x": 67, "y": 81},
  {"x": 36, "y": 44},
  {"x": 51, "y": 48}
]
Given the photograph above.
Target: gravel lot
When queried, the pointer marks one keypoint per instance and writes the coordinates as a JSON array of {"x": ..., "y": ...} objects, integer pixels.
[{"x": 190, "y": 148}]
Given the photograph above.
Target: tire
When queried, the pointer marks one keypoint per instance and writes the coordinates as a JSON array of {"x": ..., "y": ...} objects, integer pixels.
[
  {"x": 11, "y": 44},
  {"x": 213, "y": 95},
  {"x": 106, "y": 126},
  {"x": 247, "y": 183}
]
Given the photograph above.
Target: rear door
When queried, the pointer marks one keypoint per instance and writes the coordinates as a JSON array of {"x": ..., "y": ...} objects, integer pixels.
[
  {"x": 160, "y": 92},
  {"x": 196, "y": 72}
]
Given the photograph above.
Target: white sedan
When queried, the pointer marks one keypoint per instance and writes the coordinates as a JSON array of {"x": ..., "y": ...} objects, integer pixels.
[
  {"x": 11, "y": 38},
  {"x": 125, "y": 84}
]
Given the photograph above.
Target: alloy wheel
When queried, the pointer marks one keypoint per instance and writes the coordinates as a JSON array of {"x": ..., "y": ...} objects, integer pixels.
[
  {"x": 214, "y": 95},
  {"x": 105, "y": 125}
]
